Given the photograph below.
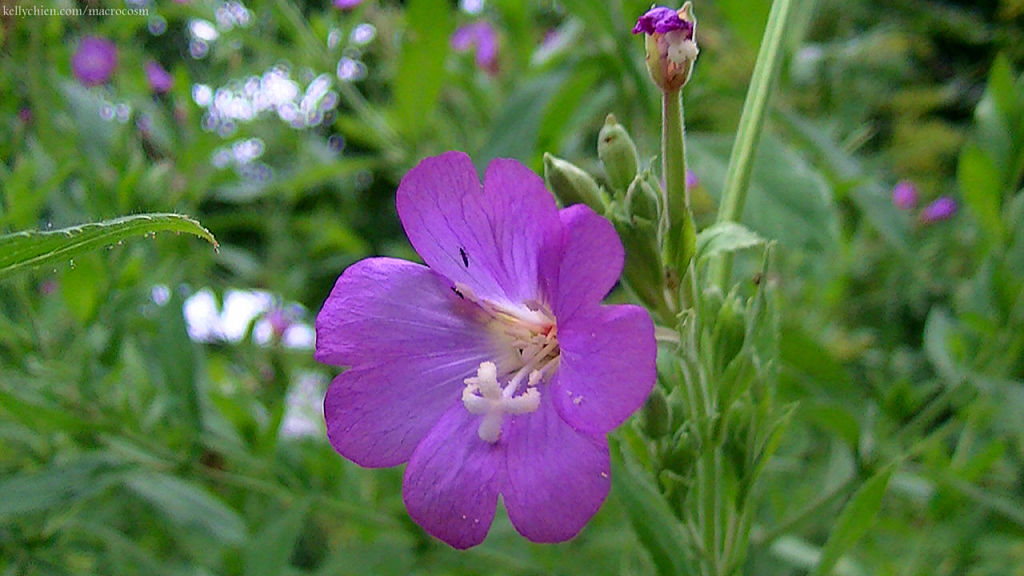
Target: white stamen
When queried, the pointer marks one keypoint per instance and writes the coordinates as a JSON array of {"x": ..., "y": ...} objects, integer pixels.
[
  {"x": 527, "y": 354},
  {"x": 484, "y": 395}
]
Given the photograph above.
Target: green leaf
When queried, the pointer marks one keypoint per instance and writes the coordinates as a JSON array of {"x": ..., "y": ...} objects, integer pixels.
[
  {"x": 854, "y": 521},
  {"x": 726, "y": 237},
  {"x": 834, "y": 418},
  {"x": 420, "y": 71},
  {"x": 515, "y": 131},
  {"x": 938, "y": 330},
  {"x": 849, "y": 178},
  {"x": 189, "y": 506},
  {"x": 655, "y": 526},
  {"x": 34, "y": 248},
  {"x": 268, "y": 552},
  {"x": 54, "y": 487},
  {"x": 788, "y": 199},
  {"x": 175, "y": 363},
  {"x": 982, "y": 187},
  {"x": 996, "y": 120},
  {"x": 1001, "y": 504}
]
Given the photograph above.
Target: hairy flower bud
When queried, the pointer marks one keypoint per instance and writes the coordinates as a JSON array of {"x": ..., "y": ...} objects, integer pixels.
[
  {"x": 643, "y": 200},
  {"x": 571, "y": 185},
  {"x": 643, "y": 271},
  {"x": 656, "y": 414},
  {"x": 730, "y": 329},
  {"x": 617, "y": 153},
  {"x": 670, "y": 44}
]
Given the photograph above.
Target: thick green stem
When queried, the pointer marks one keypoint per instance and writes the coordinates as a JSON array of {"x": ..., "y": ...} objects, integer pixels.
[
  {"x": 680, "y": 240},
  {"x": 673, "y": 169},
  {"x": 741, "y": 160}
]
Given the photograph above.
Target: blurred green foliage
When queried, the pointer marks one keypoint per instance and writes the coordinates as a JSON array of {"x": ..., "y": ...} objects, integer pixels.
[{"x": 128, "y": 447}]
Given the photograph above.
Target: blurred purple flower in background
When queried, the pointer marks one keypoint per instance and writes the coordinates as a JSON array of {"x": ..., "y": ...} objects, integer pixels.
[
  {"x": 25, "y": 115},
  {"x": 904, "y": 195},
  {"x": 160, "y": 81},
  {"x": 495, "y": 371},
  {"x": 347, "y": 4},
  {"x": 94, "y": 61},
  {"x": 942, "y": 208},
  {"x": 481, "y": 37},
  {"x": 692, "y": 181}
]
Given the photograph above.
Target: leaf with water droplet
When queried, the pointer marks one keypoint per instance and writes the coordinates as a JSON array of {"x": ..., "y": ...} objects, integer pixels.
[{"x": 34, "y": 248}]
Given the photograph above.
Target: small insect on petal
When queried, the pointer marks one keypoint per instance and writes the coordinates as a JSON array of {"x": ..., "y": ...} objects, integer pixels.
[{"x": 465, "y": 257}]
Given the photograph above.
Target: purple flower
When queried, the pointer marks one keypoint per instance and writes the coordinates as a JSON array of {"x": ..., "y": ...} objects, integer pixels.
[
  {"x": 94, "y": 61},
  {"x": 692, "y": 180},
  {"x": 496, "y": 370},
  {"x": 942, "y": 208},
  {"x": 904, "y": 195},
  {"x": 160, "y": 81},
  {"x": 661, "y": 20},
  {"x": 25, "y": 115},
  {"x": 347, "y": 4},
  {"x": 481, "y": 37}
]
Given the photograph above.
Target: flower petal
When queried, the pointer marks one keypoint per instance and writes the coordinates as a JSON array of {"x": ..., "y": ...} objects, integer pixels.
[
  {"x": 451, "y": 484},
  {"x": 607, "y": 366},
  {"x": 557, "y": 477},
  {"x": 412, "y": 342},
  {"x": 376, "y": 415},
  {"x": 591, "y": 261},
  {"x": 488, "y": 238},
  {"x": 389, "y": 309}
]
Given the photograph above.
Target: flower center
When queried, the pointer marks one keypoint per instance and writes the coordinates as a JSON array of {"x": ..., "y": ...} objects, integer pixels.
[
  {"x": 680, "y": 48},
  {"x": 528, "y": 338}
]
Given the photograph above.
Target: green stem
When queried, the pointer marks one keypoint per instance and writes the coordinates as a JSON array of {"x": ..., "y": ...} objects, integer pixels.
[
  {"x": 741, "y": 160},
  {"x": 673, "y": 168},
  {"x": 680, "y": 242}
]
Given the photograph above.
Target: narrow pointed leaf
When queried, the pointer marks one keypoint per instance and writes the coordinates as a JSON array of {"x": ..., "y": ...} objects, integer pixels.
[
  {"x": 37, "y": 248},
  {"x": 188, "y": 506},
  {"x": 268, "y": 552},
  {"x": 655, "y": 526},
  {"x": 854, "y": 521}
]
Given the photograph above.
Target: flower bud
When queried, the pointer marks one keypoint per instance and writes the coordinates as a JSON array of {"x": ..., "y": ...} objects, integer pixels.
[
  {"x": 683, "y": 453},
  {"x": 617, "y": 153},
  {"x": 642, "y": 200},
  {"x": 571, "y": 185},
  {"x": 670, "y": 44},
  {"x": 730, "y": 329},
  {"x": 656, "y": 415},
  {"x": 642, "y": 271}
]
